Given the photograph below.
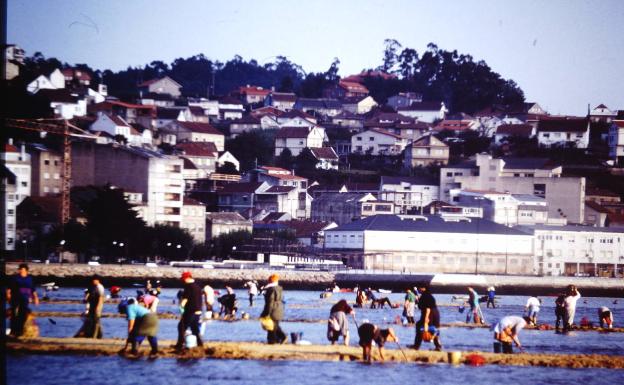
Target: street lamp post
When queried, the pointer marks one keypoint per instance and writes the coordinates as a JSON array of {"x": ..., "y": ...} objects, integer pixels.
[
  {"x": 25, "y": 245},
  {"x": 61, "y": 244}
]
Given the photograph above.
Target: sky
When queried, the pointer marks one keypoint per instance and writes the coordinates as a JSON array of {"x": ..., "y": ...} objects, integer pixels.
[{"x": 563, "y": 54}]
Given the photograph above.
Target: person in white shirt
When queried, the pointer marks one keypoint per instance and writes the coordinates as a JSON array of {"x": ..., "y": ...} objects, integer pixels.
[
  {"x": 532, "y": 308},
  {"x": 506, "y": 331},
  {"x": 252, "y": 291},
  {"x": 572, "y": 296},
  {"x": 606, "y": 317},
  {"x": 209, "y": 297}
]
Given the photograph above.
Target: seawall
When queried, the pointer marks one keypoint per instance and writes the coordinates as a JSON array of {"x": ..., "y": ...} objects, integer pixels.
[{"x": 79, "y": 274}]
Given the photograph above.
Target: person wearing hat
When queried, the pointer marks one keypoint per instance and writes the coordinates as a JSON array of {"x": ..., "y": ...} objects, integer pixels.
[
  {"x": 274, "y": 309},
  {"x": 191, "y": 308},
  {"x": 141, "y": 323},
  {"x": 19, "y": 293}
]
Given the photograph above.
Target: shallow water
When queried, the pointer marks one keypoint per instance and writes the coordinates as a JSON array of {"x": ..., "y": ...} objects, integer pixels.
[
  {"x": 308, "y": 305},
  {"x": 53, "y": 370}
]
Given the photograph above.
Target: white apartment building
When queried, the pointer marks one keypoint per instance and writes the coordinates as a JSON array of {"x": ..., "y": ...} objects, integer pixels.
[
  {"x": 531, "y": 176},
  {"x": 432, "y": 244},
  {"x": 378, "y": 142},
  {"x": 194, "y": 219},
  {"x": 578, "y": 250},
  {"x": 409, "y": 194},
  {"x": 18, "y": 162},
  {"x": 8, "y": 210}
]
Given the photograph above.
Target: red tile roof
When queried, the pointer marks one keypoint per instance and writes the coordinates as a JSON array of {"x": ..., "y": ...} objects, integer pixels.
[
  {"x": 264, "y": 111},
  {"x": 10, "y": 148},
  {"x": 454, "y": 125},
  {"x": 384, "y": 132},
  {"x": 324, "y": 153},
  {"x": 293, "y": 132},
  {"x": 118, "y": 120},
  {"x": 353, "y": 86},
  {"x": 305, "y": 228},
  {"x": 203, "y": 128},
  {"x": 515, "y": 129},
  {"x": 562, "y": 124},
  {"x": 253, "y": 90},
  {"x": 619, "y": 123},
  {"x": 206, "y": 149},
  {"x": 191, "y": 202},
  {"x": 284, "y": 96}
]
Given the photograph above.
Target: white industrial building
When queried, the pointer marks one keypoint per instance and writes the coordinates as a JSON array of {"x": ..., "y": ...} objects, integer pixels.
[{"x": 432, "y": 244}]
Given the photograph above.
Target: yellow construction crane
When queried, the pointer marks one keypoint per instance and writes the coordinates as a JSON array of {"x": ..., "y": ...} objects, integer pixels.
[{"x": 56, "y": 127}]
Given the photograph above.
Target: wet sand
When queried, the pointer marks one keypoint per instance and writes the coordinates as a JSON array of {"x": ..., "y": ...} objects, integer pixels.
[{"x": 258, "y": 351}]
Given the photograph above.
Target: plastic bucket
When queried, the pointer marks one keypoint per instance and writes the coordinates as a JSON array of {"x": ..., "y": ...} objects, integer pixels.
[
  {"x": 190, "y": 341},
  {"x": 454, "y": 358}
]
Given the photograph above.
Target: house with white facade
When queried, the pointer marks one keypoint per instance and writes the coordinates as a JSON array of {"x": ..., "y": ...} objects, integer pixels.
[
  {"x": 66, "y": 104},
  {"x": 377, "y": 142},
  {"x": 227, "y": 157},
  {"x": 319, "y": 107},
  {"x": 533, "y": 176},
  {"x": 295, "y": 201},
  {"x": 403, "y": 99},
  {"x": 194, "y": 220},
  {"x": 326, "y": 157},
  {"x": 408, "y": 194},
  {"x": 427, "y": 112},
  {"x": 616, "y": 142},
  {"x": 51, "y": 81},
  {"x": 18, "y": 161},
  {"x": 359, "y": 105},
  {"x": 252, "y": 94},
  {"x": 431, "y": 243},
  {"x": 193, "y": 132},
  {"x": 298, "y": 138},
  {"x": 164, "y": 85},
  {"x": 230, "y": 108},
  {"x": 425, "y": 151},
  {"x": 284, "y": 101},
  {"x": 345, "y": 207},
  {"x": 563, "y": 132},
  {"x": 210, "y": 107},
  {"x": 602, "y": 113},
  {"x": 578, "y": 250},
  {"x": 247, "y": 123}
]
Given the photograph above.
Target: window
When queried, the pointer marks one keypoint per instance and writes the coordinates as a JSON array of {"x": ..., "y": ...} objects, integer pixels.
[
  {"x": 539, "y": 189},
  {"x": 56, "y": 162},
  {"x": 10, "y": 211},
  {"x": 459, "y": 174},
  {"x": 449, "y": 174},
  {"x": 516, "y": 175},
  {"x": 46, "y": 175},
  {"x": 56, "y": 175},
  {"x": 492, "y": 167},
  {"x": 358, "y": 138},
  {"x": 24, "y": 184},
  {"x": 46, "y": 162}
]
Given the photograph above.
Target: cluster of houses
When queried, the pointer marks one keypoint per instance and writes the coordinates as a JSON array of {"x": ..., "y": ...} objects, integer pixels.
[{"x": 487, "y": 214}]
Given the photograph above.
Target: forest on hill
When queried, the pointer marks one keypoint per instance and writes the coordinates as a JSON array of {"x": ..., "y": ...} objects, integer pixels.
[{"x": 463, "y": 83}]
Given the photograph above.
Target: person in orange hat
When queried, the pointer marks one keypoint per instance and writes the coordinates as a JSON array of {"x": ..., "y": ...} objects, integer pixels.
[
  {"x": 274, "y": 309},
  {"x": 191, "y": 307}
]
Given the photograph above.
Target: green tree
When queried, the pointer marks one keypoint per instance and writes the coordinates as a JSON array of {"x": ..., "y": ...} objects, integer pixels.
[
  {"x": 306, "y": 162},
  {"x": 251, "y": 148},
  {"x": 227, "y": 168},
  {"x": 224, "y": 244},
  {"x": 285, "y": 159}
]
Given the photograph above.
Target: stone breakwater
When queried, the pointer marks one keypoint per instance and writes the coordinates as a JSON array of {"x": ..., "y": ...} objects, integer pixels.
[{"x": 78, "y": 275}]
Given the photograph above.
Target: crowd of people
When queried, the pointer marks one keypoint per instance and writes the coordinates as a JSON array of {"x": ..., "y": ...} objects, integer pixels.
[{"x": 142, "y": 316}]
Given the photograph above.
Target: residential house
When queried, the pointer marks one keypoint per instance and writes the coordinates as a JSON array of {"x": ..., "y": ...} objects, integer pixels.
[
  {"x": 269, "y": 111},
  {"x": 75, "y": 76},
  {"x": 52, "y": 80},
  {"x": 239, "y": 197},
  {"x": 344, "y": 207},
  {"x": 457, "y": 125},
  {"x": 131, "y": 113},
  {"x": 158, "y": 100},
  {"x": 404, "y": 126},
  {"x": 193, "y": 132},
  {"x": 115, "y": 125},
  {"x": 506, "y": 208},
  {"x": 425, "y": 151},
  {"x": 345, "y": 89},
  {"x": 283, "y": 101},
  {"x": 210, "y": 107},
  {"x": 432, "y": 244},
  {"x": 168, "y": 115},
  {"x": 359, "y": 104},
  {"x": 506, "y": 131},
  {"x": 156, "y": 176},
  {"x": 298, "y": 138},
  {"x": 46, "y": 171},
  {"x": 164, "y": 85},
  {"x": 602, "y": 113},
  {"x": 227, "y": 157},
  {"x": 202, "y": 155},
  {"x": 408, "y": 194},
  {"x": 349, "y": 120},
  {"x": 230, "y": 108},
  {"x": 226, "y": 222},
  {"x": 66, "y": 104},
  {"x": 317, "y": 190},
  {"x": 326, "y": 157},
  {"x": 403, "y": 99},
  {"x": 295, "y": 201},
  {"x": 378, "y": 142},
  {"x": 252, "y": 94},
  {"x": 309, "y": 233},
  {"x": 296, "y": 118},
  {"x": 533, "y": 176},
  {"x": 427, "y": 112},
  {"x": 246, "y": 124},
  {"x": 563, "y": 132},
  {"x": 527, "y": 111},
  {"x": 13, "y": 59},
  {"x": 319, "y": 107},
  {"x": 616, "y": 142},
  {"x": 194, "y": 220}
]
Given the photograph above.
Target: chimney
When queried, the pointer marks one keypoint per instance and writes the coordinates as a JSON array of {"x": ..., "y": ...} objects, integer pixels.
[
  {"x": 23, "y": 151},
  {"x": 11, "y": 141}
]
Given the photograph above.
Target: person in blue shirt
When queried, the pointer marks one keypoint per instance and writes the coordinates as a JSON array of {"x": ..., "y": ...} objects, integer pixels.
[
  {"x": 475, "y": 310},
  {"x": 491, "y": 295},
  {"x": 19, "y": 293},
  {"x": 141, "y": 323}
]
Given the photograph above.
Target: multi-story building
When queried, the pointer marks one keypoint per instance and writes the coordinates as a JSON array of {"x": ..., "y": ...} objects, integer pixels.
[
  {"x": 47, "y": 171},
  {"x": 408, "y": 194},
  {"x": 377, "y": 142},
  {"x": 425, "y": 151},
  {"x": 194, "y": 219},
  {"x": 19, "y": 163},
  {"x": 432, "y": 244},
  {"x": 578, "y": 250},
  {"x": 346, "y": 207},
  {"x": 223, "y": 223},
  {"x": 563, "y": 131},
  {"x": 539, "y": 177},
  {"x": 158, "y": 177},
  {"x": 8, "y": 210},
  {"x": 616, "y": 142},
  {"x": 297, "y": 138}
]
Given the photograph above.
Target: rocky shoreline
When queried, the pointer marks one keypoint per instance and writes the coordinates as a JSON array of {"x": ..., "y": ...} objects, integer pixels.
[{"x": 78, "y": 275}]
